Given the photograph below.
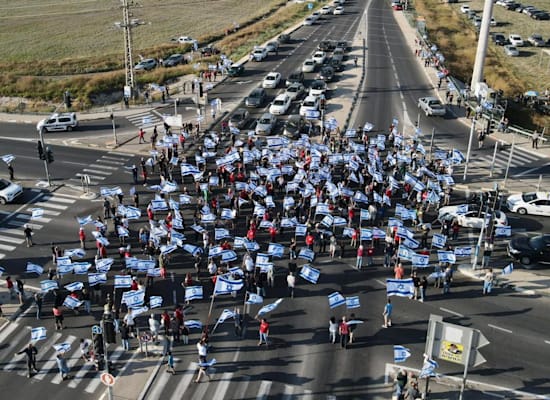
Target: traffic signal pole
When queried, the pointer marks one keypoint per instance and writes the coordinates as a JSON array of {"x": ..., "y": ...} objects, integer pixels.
[
  {"x": 41, "y": 133},
  {"x": 106, "y": 358}
]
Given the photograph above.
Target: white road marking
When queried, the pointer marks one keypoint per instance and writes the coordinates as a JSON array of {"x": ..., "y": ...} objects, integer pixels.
[
  {"x": 241, "y": 391},
  {"x": 95, "y": 171},
  {"x": 7, "y": 331},
  {"x": 265, "y": 387},
  {"x": 546, "y": 341},
  {"x": 11, "y": 239},
  {"x": 50, "y": 205},
  {"x": 160, "y": 384},
  {"x": 91, "y": 176},
  {"x": 499, "y": 328},
  {"x": 184, "y": 381},
  {"x": 380, "y": 282},
  {"x": 451, "y": 312},
  {"x": 5, "y": 247},
  {"x": 221, "y": 390},
  {"x": 288, "y": 392},
  {"x": 96, "y": 382}
]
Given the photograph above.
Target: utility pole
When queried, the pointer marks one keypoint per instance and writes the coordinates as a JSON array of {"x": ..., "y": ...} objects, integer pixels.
[
  {"x": 42, "y": 145},
  {"x": 477, "y": 75},
  {"x": 509, "y": 159},
  {"x": 472, "y": 129}
]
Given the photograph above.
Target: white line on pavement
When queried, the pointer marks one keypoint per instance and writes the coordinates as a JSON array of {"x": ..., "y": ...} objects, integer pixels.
[
  {"x": 160, "y": 384},
  {"x": 546, "y": 341},
  {"x": 499, "y": 328},
  {"x": 185, "y": 380},
  {"x": 241, "y": 391},
  {"x": 451, "y": 312},
  {"x": 288, "y": 392},
  {"x": 265, "y": 387},
  {"x": 380, "y": 282},
  {"x": 528, "y": 171},
  {"x": 222, "y": 387}
]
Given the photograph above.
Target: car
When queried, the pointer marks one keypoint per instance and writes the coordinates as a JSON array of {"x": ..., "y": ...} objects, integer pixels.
[
  {"x": 9, "y": 191},
  {"x": 317, "y": 88},
  {"x": 477, "y": 22},
  {"x": 235, "y": 70},
  {"x": 295, "y": 91},
  {"x": 146, "y": 64},
  {"x": 326, "y": 10},
  {"x": 58, "y": 122},
  {"x": 499, "y": 39},
  {"x": 295, "y": 77},
  {"x": 511, "y": 51},
  {"x": 186, "y": 39},
  {"x": 256, "y": 98},
  {"x": 338, "y": 10},
  {"x": 326, "y": 45},
  {"x": 316, "y": 15},
  {"x": 511, "y": 6},
  {"x": 344, "y": 45},
  {"x": 535, "y": 203},
  {"x": 295, "y": 126},
  {"x": 272, "y": 47},
  {"x": 308, "y": 65},
  {"x": 397, "y": 6},
  {"x": 319, "y": 57},
  {"x": 471, "y": 14},
  {"x": 326, "y": 74},
  {"x": 541, "y": 16},
  {"x": 208, "y": 51},
  {"x": 464, "y": 9},
  {"x": 336, "y": 64},
  {"x": 309, "y": 21},
  {"x": 310, "y": 103},
  {"x": 280, "y": 105},
  {"x": 527, "y": 10},
  {"x": 431, "y": 106},
  {"x": 259, "y": 54},
  {"x": 265, "y": 124},
  {"x": 271, "y": 80},
  {"x": 284, "y": 38},
  {"x": 239, "y": 118},
  {"x": 536, "y": 40},
  {"x": 468, "y": 215},
  {"x": 338, "y": 54},
  {"x": 173, "y": 60},
  {"x": 530, "y": 250},
  {"x": 515, "y": 40},
  {"x": 493, "y": 22}
]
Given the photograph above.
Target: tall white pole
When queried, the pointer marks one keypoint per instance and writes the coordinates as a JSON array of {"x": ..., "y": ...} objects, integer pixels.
[
  {"x": 494, "y": 157},
  {"x": 509, "y": 159},
  {"x": 472, "y": 129},
  {"x": 477, "y": 74}
]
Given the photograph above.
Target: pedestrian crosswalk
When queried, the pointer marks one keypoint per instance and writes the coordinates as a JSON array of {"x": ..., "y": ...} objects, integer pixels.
[
  {"x": 520, "y": 158},
  {"x": 11, "y": 232},
  {"x": 101, "y": 169},
  {"x": 146, "y": 119}
]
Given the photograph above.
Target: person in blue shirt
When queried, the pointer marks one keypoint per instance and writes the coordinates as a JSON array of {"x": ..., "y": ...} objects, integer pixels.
[{"x": 388, "y": 308}]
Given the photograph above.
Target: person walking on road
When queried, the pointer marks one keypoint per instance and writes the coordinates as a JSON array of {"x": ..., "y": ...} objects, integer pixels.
[
  {"x": 27, "y": 231},
  {"x": 82, "y": 238},
  {"x": 170, "y": 365},
  {"x": 125, "y": 336},
  {"x": 535, "y": 140},
  {"x": 30, "y": 352},
  {"x": 332, "y": 329},
  {"x": 141, "y": 135},
  {"x": 10, "y": 171},
  {"x": 480, "y": 139},
  {"x": 62, "y": 365},
  {"x": 343, "y": 330},
  {"x": 488, "y": 281},
  {"x": 264, "y": 332},
  {"x": 58, "y": 315},
  {"x": 388, "y": 308},
  {"x": 291, "y": 282},
  {"x": 238, "y": 320},
  {"x": 359, "y": 261},
  {"x": 38, "y": 302}
]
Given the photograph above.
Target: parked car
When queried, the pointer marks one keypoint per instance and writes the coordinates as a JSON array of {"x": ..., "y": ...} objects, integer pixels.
[
  {"x": 256, "y": 98},
  {"x": 272, "y": 47},
  {"x": 186, "y": 39},
  {"x": 326, "y": 74},
  {"x": 493, "y": 22},
  {"x": 295, "y": 77},
  {"x": 146, "y": 64},
  {"x": 530, "y": 250},
  {"x": 319, "y": 57},
  {"x": 259, "y": 54},
  {"x": 271, "y": 80},
  {"x": 309, "y": 21},
  {"x": 235, "y": 70},
  {"x": 9, "y": 191},
  {"x": 536, "y": 40},
  {"x": 469, "y": 216},
  {"x": 464, "y": 8},
  {"x": 338, "y": 10},
  {"x": 515, "y": 40},
  {"x": 511, "y": 51},
  {"x": 535, "y": 203},
  {"x": 173, "y": 60},
  {"x": 58, "y": 122},
  {"x": 326, "y": 10},
  {"x": 308, "y": 65},
  {"x": 326, "y": 45},
  {"x": 295, "y": 91},
  {"x": 208, "y": 51},
  {"x": 265, "y": 124},
  {"x": 396, "y": 5},
  {"x": 477, "y": 22},
  {"x": 471, "y": 14},
  {"x": 239, "y": 118},
  {"x": 317, "y": 88},
  {"x": 310, "y": 103},
  {"x": 284, "y": 38},
  {"x": 541, "y": 16},
  {"x": 499, "y": 39},
  {"x": 431, "y": 106},
  {"x": 280, "y": 104},
  {"x": 295, "y": 126}
]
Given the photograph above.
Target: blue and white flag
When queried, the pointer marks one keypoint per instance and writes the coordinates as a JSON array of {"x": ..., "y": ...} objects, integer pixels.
[
  {"x": 352, "y": 302},
  {"x": 270, "y": 307},
  {"x": 412, "y": 243},
  {"x": 439, "y": 240},
  {"x": 226, "y": 285},
  {"x": 192, "y": 249},
  {"x": 71, "y": 302},
  {"x": 62, "y": 348},
  {"x": 132, "y": 212},
  {"x": 420, "y": 260},
  {"x": 225, "y": 315},
  {"x": 366, "y": 234},
  {"x": 400, "y": 354},
  {"x": 400, "y": 287},
  {"x": 8, "y": 158},
  {"x": 133, "y": 298},
  {"x": 446, "y": 256},
  {"x": 64, "y": 269},
  {"x": 138, "y": 311},
  {"x": 221, "y": 233},
  {"x": 276, "y": 250},
  {"x": 103, "y": 240},
  {"x": 47, "y": 285},
  {"x": 215, "y": 251},
  {"x": 309, "y": 273},
  {"x": 154, "y": 272},
  {"x": 123, "y": 281},
  {"x": 336, "y": 300},
  {"x": 236, "y": 271},
  {"x": 405, "y": 253},
  {"x": 227, "y": 214},
  {"x": 327, "y": 221},
  {"x": 254, "y": 298},
  {"x": 251, "y": 245},
  {"x": 322, "y": 209},
  {"x": 503, "y": 231},
  {"x": 64, "y": 260},
  {"x": 81, "y": 268},
  {"x": 306, "y": 254},
  {"x": 403, "y": 232},
  {"x": 159, "y": 205},
  {"x": 168, "y": 248},
  {"x": 97, "y": 278},
  {"x": 193, "y": 324},
  {"x": 104, "y": 264},
  {"x": 507, "y": 270},
  {"x": 34, "y": 268},
  {"x": 105, "y": 191},
  {"x": 2, "y": 270},
  {"x": 428, "y": 368},
  {"x": 378, "y": 233},
  {"x": 348, "y": 232},
  {"x": 228, "y": 256},
  {"x": 193, "y": 293},
  {"x": 78, "y": 253},
  {"x": 38, "y": 334},
  {"x": 364, "y": 215},
  {"x": 155, "y": 301},
  {"x": 37, "y": 213},
  {"x": 301, "y": 230},
  {"x": 73, "y": 287},
  {"x": 463, "y": 251}
]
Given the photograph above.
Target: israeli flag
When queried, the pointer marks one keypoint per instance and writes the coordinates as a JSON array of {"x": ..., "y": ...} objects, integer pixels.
[
  {"x": 133, "y": 298},
  {"x": 236, "y": 271},
  {"x": 105, "y": 191},
  {"x": 378, "y": 233},
  {"x": 301, "y": 230},
  {"x": 73, "y": 287},
  {"x": 393, "y": 222},
  {"x": 420, "y": 260},
  {"x": 361, "y": 197},
  {"x": 208, "y": 218},
  {"x": 138, "y": 311},
  {"x": 227, "y": 214},
  {"x": 405, "y": 253},
  {"x": 193, "y": 293},
  {"x": 71, "y": 302},
  {"x": 103, "y": 240},
  {"x": 34, "y": 268},
  {"x": 251, "y": 245},
  {"x": 193, "y": 324},
  {"x": 270, "y": 307},
  {"x": 428, "y": 368},
  {"x": 366, "y": 234},
  {"x": 348, "y": 232},
  {"x": 433, "y": 197},
  {"x": 403, "y": 232},
  {"x": 185, "y": 199},
  {"x": 238, "y": 242},
  {"x": 132, "y": 212},
  {"x": 276, "y": 250},
  {"x": 336, "y": 300},
  {"x": 439, "y": 240},
  {"x": 400, "y": 354},
  {"x": 412, "y": 243},
  {"x": 463, "y": 251},
  {"x": 38, "y": 334},
  {"x": 327, "y": 221},
  {"x": 153, "y": 272},
  {"x": 309, "y": 273},
  {"x": 457, "y": 157},
  {"x": 8, "y": 158},
  {"x": 97, "y": 278},
  {"x": 167, "y": 249},
  {"x": 400, "y": 287},
  {"x": 123, "y": 281},
  {"x": 288, "y": 202},
  {"x": 254, "y": 298},
  {"x": 503, "y": 231},
  {"x": 104, "y": 264},
  {"x": 322, "y": 209},
  {"x": 446, "y": 256},
  {"x": 62, "y": 347},
  {"x": 37, "y": 213},
  {"x": 215, "y": 251},
  {"x": 507, "y": 270},
  {"x": 228, "y": 256},
  {"x": 352, "y": 302},
  {"x": 47, "y": 285},
  {"x": 197, "y": 228},
  {"x": 306, "y": 254},
  {"x": 225, "y": 315},
  {"x": 193, "y": 250},
  {"x": 159, "y": 205},
  {"x": 365, "y": 214},
  {"x": 226, "y": 285}
]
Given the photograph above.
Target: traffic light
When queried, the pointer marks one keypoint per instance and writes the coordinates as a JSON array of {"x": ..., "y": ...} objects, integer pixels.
[
  {"x": 67, "y": 98},
  {"x": 200, "y": 89},
  {"x": 97, "y": 339},
  {"x": 109, "y": 329},
  {"x": 323, "y": 103},
  {"x": 49, "y": 155},
  {"x": 40, "y": 148}
]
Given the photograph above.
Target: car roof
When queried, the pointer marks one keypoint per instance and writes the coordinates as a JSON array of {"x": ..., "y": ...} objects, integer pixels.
[
  {"x": 311, "y": 98},
  {"x": 266, "y": 115},
  {"x": 430, "y": 98},
  {"x": 281, "y": 96}
]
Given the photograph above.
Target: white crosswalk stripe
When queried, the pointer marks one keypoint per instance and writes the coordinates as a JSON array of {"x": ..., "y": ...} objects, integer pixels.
[
  {"x": 100, "y": 166},
  {"x": 51, "y": 364},
  {"x": 265, "y": 387},
  {"x": 96, "y": 171},
  {"x": 97, "y": 177},
  {"x": 10, "y": 239},
  {"x": 149, "y": 118},
  {"x": 184, "y": 381}
]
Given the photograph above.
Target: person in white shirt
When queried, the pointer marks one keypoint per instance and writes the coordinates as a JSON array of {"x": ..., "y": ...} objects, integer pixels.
[
  {"x": 154, "y": 326},
  {"x": 212, "y": 267},
  {"x": 291, "y": 282}
]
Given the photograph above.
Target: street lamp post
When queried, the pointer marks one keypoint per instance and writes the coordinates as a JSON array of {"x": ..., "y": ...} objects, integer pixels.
[
  {"x": 44, "y": 147},
  {"x": 112, "y": 116},
  {"x": 472, "y": 129},
  {"x": 509, "y": 159}
]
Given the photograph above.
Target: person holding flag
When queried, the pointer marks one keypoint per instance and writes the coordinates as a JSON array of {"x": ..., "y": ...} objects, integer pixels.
[
  {"x": 30, "y": 352},
  {"x": 488, "y": 281}
]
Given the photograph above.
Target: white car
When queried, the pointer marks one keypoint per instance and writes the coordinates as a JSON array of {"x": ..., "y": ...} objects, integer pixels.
[
  {"x": 9, "y": 191},
  {"x": 316, "y": 15},
  {"x": 308, "y": 65},
  {"x": 338, "y": 10},
  {"x": 280, "y": 105},
  {"x": 493, "y": 22},
  {"x": 326, "y": 10},
  {"x": 259, "y": 53},
  {"x": 511, "y": 51},
  {"x": 295, "y": 90},
  {"x": 464, "y": 9},
  {"x": 309, "y": 21},
  {"x": 535, "y": 203},
  {"x": 58, "y": 122},
  {"x": 470, "y": 217},
  {"x": 318, "y": 87},
  {"x": 319, "y": 57},
  {"x": 272, "y": 80},
  {"x": 515, "y": 40},
  {"x": 310, "y": 103},
  {"x": 186, "y": 39},
  {"x": 431, "y": 106}
]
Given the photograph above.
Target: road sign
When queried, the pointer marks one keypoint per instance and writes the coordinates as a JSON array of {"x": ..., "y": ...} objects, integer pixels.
[
  {"x": 107, "y": 379},
  {"x": 145, "y": 337},
  {"x": 310, "y": 6},
  {"x": 96, "y": 330}
]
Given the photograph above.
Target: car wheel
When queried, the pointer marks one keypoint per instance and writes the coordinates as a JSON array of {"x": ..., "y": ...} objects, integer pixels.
[
  {"x": 69, "y": 128},
  {"x": 525, "y": 260},
  {"x": 427, "y": 113},
  {"x": 522, "y": 211},
  {"x": 2, "y": 201}
]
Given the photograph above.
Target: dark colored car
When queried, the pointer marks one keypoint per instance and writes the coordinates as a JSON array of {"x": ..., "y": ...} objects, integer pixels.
[
  {"x": 235, "y": 70},
  {"x": 173, "y": 60},
  {"x": 326, "y": 74},
  {"x": 295, "y": 126},
  {"x": 499, "y": 39},
  {"x": 541, "y": 15},
  {"x": 344, "y": 44},
  {"x": 326, "y": 45},
  {"x": 336, "y": 64},
  {"x": 239, "y": 118},
  {"x": 295, "y": 77},
  {"x": 529, "y": 250},
  {"x": 256, "y": 98},
  {"x": 209, "y": 51},
  {"x": 284, "y": 38}
]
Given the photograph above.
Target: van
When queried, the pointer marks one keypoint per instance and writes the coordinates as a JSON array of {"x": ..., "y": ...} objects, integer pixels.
[{"x": 58, "y": 122}]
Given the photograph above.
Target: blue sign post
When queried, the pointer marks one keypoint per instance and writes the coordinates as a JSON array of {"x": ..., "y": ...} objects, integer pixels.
[
  {"x": 96, "y": 330},
  {"x": 309, "y": 6}
]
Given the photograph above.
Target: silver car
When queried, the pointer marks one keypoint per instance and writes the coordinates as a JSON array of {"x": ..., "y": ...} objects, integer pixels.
[
  {"x": 265, "y": 124},
  {"x": 146, "y": 64}
]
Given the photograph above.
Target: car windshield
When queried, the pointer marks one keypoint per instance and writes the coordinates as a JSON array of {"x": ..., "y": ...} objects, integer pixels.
[
  {"x": 265, "y": 121},
  {"x": 536, "y": 243},
  {"x": 279, "y": 103},
  {"x": 293, "y": 89},
  {"x": 309, "y": 103},
  {"x": 255, "y": 94},
  {"x": 237, "y": 117},
  {"x": 318, "y": 85},
  {"x": 270, "y": 78},
  {"x": 3, "y": 184},
  {"x": 527, "y": 197}
]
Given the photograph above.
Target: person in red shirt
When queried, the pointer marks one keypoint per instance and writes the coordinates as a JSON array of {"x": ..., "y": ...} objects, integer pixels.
[
  {"x": 359, "y": 262},
  {"x": 399, "y": 271},
  {"x": 273, "y": 234},
  {"x": 351, "y": 214},
  {"x": 150, "y": 213},
  {"x": 82, "y": 237},
  {"x": 226, "y": 245},
  {"x": 251, "y": 234},
  {"x": 264, "y": 332},
  {"x": 309, "y": 241},
  {"x": 370, "y": 255},
  {"x": 344, "y": 333},
  {"x": 354, "y": 236}
]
